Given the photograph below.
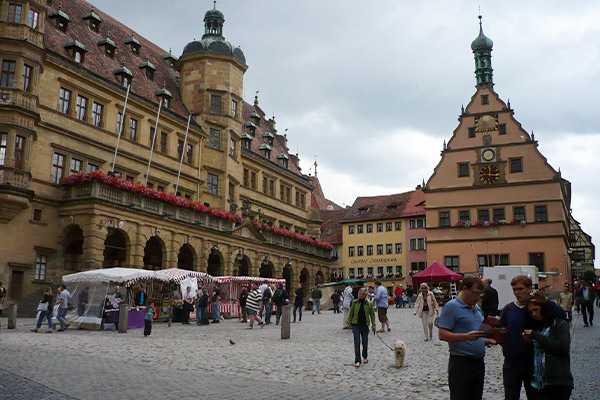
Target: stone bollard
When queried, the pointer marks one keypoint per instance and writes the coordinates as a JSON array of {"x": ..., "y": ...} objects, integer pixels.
[
  {"x": 286, "y": 319},
  {"x": 123, "y": 317},
  {"x": 12, "y": 316}
]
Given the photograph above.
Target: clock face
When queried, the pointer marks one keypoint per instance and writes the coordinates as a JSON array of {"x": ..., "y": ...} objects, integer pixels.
[
  {"x": 489, "y": 174},
  {"x": 486, "y": 123},
  {"x": 488, "y": 155}
]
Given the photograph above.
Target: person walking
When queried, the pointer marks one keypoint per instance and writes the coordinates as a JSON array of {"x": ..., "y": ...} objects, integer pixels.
[
  {"x": 578, "y": 293},
  {"x": 459, "y": 326},
  {"x": 253, "y": 305},
  {"x": 45, "y": 309},
  {"x": 216, "y": 303},
  {"x": 587, "y": 304},
  {"x": 188, "y": 305},
  {"x": 426, "y": 307},
  {"x": 551, "y": 378},
  {"x": 381, "y": 301},
  {"x": 298, "y": 301},
  {"x": 63, "y": 307},
  {"x": 409, "y": 295},
  {"x": 267, "y": 305},
  {"x": 242, "y": 299},
  {"x": 316, "y": 295},
  {"x": 489, "y": 299},
  {"x": 148, "y": 319},
  {"x": 565, "y": 301},
  {"x": 335, "y": 298},
  {"x": 280, "y": 299},
  {"x": 202, "y": 306},
  {"x": 347, "y": 302},
  {"x": 83, "y": 300},
  {"x": 360, "y": 317}
]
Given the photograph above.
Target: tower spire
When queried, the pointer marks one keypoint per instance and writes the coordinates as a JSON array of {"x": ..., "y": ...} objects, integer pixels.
[{"x": 482, "y": 49}]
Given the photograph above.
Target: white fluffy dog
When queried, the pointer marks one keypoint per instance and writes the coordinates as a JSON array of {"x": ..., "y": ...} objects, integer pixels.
[{"x": 399, "y": 352}]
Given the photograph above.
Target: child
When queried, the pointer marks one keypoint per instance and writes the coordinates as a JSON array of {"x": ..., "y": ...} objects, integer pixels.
[{"x": 148, "y": 319}]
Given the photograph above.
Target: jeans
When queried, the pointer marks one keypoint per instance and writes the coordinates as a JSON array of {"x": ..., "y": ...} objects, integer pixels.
[
  {"x": 399, "y": 301},
  {"x": 45, "y": 314},
  {"x": 465, "y": 377},
  {"x": 268, "y": 311},
  {"x": 317, "y": 306},
  {"x": 216, "y": 314},
  {"x": 203, "y": 315},
  {"x": 360, "y": 332},
  {"x": 299, "y": 308},
  {"x": 587, "y": 306},
  {"x": 198, "y": 313},
  {"x": 62, "y": 313},
  {"x": 410, "y": 301},
  {"x": 514, "y": 376}
]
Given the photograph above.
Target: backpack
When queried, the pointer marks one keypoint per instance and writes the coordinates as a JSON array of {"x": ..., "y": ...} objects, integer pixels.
[
  {"x": 267, "y": 294},
  {"x": 277, "y": 296}
]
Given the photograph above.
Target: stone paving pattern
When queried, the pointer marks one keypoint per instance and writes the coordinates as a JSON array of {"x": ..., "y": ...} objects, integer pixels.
[
  {"x": 585, "y": 358},
  {"x": 317, "y": 362}
]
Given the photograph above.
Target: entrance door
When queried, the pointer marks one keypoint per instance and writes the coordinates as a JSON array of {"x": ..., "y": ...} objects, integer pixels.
[{"x": 16, "y": 285}]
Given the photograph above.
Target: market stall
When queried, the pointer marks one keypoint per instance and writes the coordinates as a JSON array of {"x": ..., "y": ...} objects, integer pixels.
[
  {"x": 179, "y": 280},
  {"x": 97, "y": 294},
  {"x": 440, "y": 280},
  {"x": 328, "y": 288},
  {"x": 231, "y": 286}
]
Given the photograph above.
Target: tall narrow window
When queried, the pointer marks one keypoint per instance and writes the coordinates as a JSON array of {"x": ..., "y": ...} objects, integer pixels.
[
  {"x": 120, "y": 121},
  {"x": 132, "y": 129},
  {"x": 541, "y": 213},
  {"x": 498, "y": 214},
  {"x": 231, "y": 191},
  {"x": 444, "y": 218},
  {"x": 265, "y": 185},
  {"x": 179, "y": 148},
  {"x": 232, "y": 148},
  {"x": 151, "y": 138},
  {"x": 519, "y": 213},
  {"x": 41, "y": 262},
  {"x": 8, "y": 73},
  {"x": 27, "y": 77},
  {"x": 58, "y": 167},
  {"x": 190, "y": 153},
  {"x": 19, "y": 151},
  {"x": 81, "y": 107},
  {"x": 3, "y": 144},
  {"x": 246, "y": 177},
  {"x": 212, "y": 185},
  {"x": 97, "y": 114},
  {"x": 34, "y": 19},
  {"x": 214, "y": 140},
  {"x": 163, "y": 142},
  {"x": 215, "y": 104},
  {"x": 253, "y": 180},
  {"x": 234, "y": 108},
  {"x": 14, "y": 13},
  {"x": 64, "y": 101},
  {"x": 75, "y": 166},
  {"x": 272, "y": 188}
]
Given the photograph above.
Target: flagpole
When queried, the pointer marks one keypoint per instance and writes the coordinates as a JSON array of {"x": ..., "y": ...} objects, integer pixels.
[
  {"x": 120, "y": 130},
  {"x": 153, "y": 141},
  {"x": 183, "y": 152}
]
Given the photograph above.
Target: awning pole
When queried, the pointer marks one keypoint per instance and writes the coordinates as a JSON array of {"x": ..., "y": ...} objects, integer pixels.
[
  {"x": 182, "y": 153},
  {"x": 120, "y": 130},
  {"x": 153, "y": 141}
]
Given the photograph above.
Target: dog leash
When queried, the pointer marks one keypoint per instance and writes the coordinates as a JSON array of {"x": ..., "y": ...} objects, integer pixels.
[{"x": 384, "y": 343}]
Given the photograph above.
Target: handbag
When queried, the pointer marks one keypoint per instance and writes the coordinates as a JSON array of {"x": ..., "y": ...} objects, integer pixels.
[{"x": 42, "y": 307}]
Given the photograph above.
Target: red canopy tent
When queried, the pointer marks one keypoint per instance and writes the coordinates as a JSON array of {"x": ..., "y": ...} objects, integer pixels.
[{"x": 436, "y": 272}]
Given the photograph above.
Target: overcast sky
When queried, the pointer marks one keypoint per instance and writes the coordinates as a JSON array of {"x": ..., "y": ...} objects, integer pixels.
[{"x": 372, "y": 88}]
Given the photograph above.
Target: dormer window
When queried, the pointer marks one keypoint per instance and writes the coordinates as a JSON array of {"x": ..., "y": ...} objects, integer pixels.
[
  {"x": 284, "y": 160},
  {"x": 62, "y": 19},
  {"x": 266, "y": 149},
  {"x": 170, "y": 59},
  {"x": 124, "y": 75},
  {"x": 246, "y": 141},
  {"x": 148, "y": 69},
  {"x": 250, "y": 128},
  {"x": 255, "y": 118},
  {"x": 108, "y": 46},
  {"x": 76, "y": 50},
  {"x": 134, "y": 44},
  {"x": 268, "y": 137},
  {"x": 93, "y": 20},
  {"x": 164, "y": 95}
]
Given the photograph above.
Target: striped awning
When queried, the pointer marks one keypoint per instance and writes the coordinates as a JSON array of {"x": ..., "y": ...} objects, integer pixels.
[
  {"x": 177, "y": 275},
  {"x": 271, "y": 281}
]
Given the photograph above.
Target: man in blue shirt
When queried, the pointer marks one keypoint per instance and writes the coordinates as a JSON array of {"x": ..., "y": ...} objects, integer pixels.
[
  {"x": 459, "y": 326},
  {"x": 381, "y": 299}
]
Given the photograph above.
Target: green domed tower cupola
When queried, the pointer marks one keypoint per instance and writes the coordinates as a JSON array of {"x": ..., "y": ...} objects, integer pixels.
[
  {"x": 213, "y": 23},
  {"x": 482, "y": 48}
]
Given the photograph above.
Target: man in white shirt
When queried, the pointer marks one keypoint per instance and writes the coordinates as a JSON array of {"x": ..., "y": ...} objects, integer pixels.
[
  {"x": 63, "y": 307},
  {"x": 262, "y": 289}
]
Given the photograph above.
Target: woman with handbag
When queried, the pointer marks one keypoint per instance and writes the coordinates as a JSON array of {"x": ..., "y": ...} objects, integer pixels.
[
  {"x": 188, "y": 305},
  {"x": 45, "y": 309},
  {"x": 426, "y": 307}
]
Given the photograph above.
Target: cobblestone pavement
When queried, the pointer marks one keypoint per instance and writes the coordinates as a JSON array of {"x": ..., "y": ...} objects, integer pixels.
[
  {"x": 317, "y": 362},
  {"x": 585, "y": 358}
]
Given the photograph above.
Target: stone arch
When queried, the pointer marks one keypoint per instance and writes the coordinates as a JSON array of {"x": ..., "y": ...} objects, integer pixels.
[
  {"x": 319, "y": 277},
  {"x": 73, "y": 247},
  {"x": 305, "y": 277},
  {"x": 287, "y": 274},
  {"x": 186, "y": 259},
  {"x": 155, "y": 253},
  {"x": 115, "y": 248},
  {"x": 215, "y": 262},
  {"x": 243, "y": 266},
  {"x": 267, "y": 269}
]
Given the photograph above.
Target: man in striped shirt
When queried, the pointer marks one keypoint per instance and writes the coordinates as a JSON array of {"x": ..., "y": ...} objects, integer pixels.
[{"x": 253, "y": 305}]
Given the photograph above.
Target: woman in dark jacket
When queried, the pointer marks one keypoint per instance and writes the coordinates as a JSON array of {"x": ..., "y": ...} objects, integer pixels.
[
  {"x": 551, "y": 370},
  {"x": 360, "y": 317},
  {"x": 298, "y": 301},
  {"x": 46, "y": 312}
]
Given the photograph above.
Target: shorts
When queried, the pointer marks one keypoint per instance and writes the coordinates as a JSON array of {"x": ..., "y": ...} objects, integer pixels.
[
  {"x": 382, "y": 314},
  {"x": 251, "y": 311}
]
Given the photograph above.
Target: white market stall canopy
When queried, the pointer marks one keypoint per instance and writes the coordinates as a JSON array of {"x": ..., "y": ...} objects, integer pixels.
[
  {"x": 120, "y": 275},
  {"x": 178, "y": 275},
  {"x": 242, "y": 279}
]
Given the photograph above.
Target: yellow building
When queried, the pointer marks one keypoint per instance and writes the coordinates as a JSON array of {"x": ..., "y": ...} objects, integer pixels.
[
  {"x": 72, "y": 79},
  {"x": 494, "y": 199},
  {"x": 376, "y": 239}
]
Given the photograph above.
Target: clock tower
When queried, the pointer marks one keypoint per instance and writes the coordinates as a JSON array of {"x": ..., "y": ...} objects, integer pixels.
[{"x": 493, "y": 199}]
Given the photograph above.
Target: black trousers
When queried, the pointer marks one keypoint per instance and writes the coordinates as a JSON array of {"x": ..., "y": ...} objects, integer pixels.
[
  {"x": 554, "y": 392},
  {"x": 587, "y": 306},
  {"x": 465, "y": 377},
  {"x": 147, "y": 327}
]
